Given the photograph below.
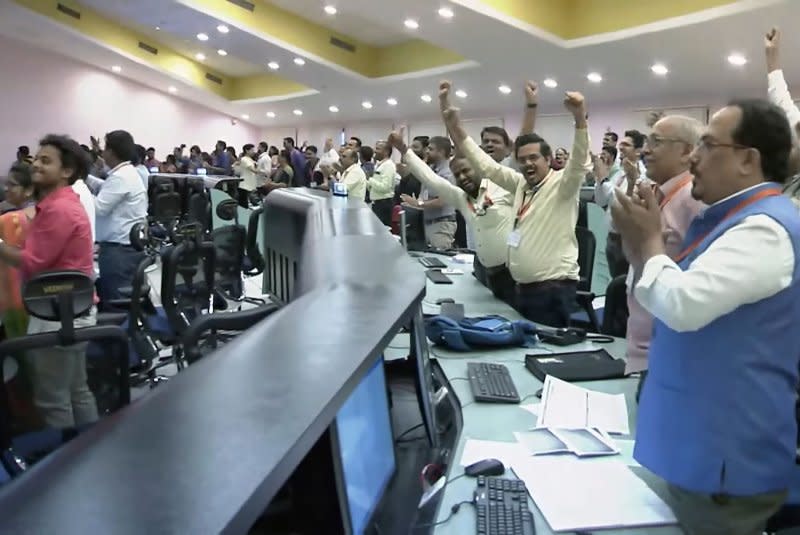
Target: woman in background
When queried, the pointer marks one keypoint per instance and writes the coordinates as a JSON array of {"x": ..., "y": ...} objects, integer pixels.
[{"x": 13, "y": 231}]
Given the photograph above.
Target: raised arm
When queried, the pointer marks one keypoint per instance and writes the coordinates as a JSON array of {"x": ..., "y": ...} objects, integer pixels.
[
  {"x": 778, "y": 91},
  {"x": 447, "y": 192},
  {"x": 578, "y": 164},
  {"x": 484, "y": 165},
  {"x": 531, "y": 106}
]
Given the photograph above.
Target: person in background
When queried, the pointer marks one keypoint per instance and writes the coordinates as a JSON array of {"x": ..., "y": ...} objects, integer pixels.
[
  {"x": 542, "y": 246},
  {"x": 150, "y": 160},
  {"x": 264, "y": 161},
  {"x": 169, "y": 165},
  {"x": 354, "y": 143},
  {"x": 296, "y": 158},
  {"x": 630, "y": 150},
  {"x": 87, "y": 200},
  {"x": 440, "y": 217},
  {"x": 120, "y": 202},
  {"x": 381, "y": 183},
  {"x": 409, "y": 185},
  {"x": 58, "y": 239},
  {"x": 560, "y": 160},
  {"x": 24, "y": 155},
  {"x": 274, "y": 154},
  {"x": 610, "y": 139},
  {"x": 221, "y": 160},
  {"x": 196, "y": 160},
  {"x": 138, "y": 162},
  {"x": 724, "y": 355},
  {"x": 313, "y": 174},
  {"x": 284, "y": 174},
  {"x": 366, "y": 154},
  {"x": 248, "y": 172},
  {"x": 353, "y": 176},
  {"x": 496, "y": 143},
  {"x": 13, "y": 231}
]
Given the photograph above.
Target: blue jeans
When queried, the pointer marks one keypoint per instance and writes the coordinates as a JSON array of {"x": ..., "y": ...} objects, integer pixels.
[
  {"x": 549, "y": 303},
  {"x": 117, "y": 264}
]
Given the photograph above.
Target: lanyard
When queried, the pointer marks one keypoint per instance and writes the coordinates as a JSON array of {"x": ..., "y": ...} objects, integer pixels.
[
  {"x": 764, "y": 193},
  {"x": 523, "y": 209},
  {"x": 487, "y": 201},
  {"x": 675, "y": 190}
]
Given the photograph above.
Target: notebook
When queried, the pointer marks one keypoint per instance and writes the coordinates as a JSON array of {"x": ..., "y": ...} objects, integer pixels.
[{"x": 576, "y": 366}]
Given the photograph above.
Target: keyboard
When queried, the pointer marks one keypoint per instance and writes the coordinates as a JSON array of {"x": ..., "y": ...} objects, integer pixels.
[
  {"x": 491, "y": 383},
  {"x": 502, "y": 507},
  {"x": 432, "y": 262}
]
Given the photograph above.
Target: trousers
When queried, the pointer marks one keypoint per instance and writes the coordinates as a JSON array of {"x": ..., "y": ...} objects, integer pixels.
[
  {"x": 117, "y": 264},
  {"x": 440, "y": 234}
]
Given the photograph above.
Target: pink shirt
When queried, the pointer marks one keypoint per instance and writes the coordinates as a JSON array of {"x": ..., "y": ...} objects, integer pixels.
[{"x": 678, "y": 209}]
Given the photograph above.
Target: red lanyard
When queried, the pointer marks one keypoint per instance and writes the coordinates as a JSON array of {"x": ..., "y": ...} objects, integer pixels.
[
  {"x": 676, "y": 189},
  {"x": 487, "y": 201},
  {"x": 764, "y": 193},
  {"x": 523, "y": 209}
]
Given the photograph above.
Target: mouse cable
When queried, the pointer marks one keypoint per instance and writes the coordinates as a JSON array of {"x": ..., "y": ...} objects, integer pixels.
[{"x": 453, "y": 511}]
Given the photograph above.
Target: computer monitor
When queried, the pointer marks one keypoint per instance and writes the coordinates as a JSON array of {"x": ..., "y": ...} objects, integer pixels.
[
  {"x": 423, "y": 377},
  {"x": 363, "y": 450}
]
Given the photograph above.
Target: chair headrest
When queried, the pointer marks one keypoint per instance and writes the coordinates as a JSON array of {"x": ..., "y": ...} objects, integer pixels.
[
  {"x": 42, "y": 293},
  {"x": 227, "y": 210}
]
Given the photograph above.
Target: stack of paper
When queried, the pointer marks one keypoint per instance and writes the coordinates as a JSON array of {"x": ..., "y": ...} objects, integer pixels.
[
  {"x": 567, "y": 406},
  {"x": 580, "y": 442}
]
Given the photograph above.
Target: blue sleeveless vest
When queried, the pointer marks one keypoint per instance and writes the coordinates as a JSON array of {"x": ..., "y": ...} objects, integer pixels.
[{"x": 717, "y": 412}]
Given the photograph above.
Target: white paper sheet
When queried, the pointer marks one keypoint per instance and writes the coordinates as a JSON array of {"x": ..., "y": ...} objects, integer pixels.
[
  {"x": 533, "y": 408},
  {"x": 578, "y": 494},
  {"x": 580, "y": 442},
  {"x": 568, "y": 406},
  {"x": 509, "y": 453}
]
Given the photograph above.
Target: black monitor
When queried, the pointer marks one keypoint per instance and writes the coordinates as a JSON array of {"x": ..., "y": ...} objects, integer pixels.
[
  {"x": 363, "y": 450},
  {"x": 423, "y": 378}
]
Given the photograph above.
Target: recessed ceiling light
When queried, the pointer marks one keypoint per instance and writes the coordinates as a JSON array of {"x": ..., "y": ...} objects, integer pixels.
[
  {"x": 158, "y": 28},
  {"x": 549, "y": 82},
  {"x": 116, "y": 68},
  {"x": 333, "y": 109},
  {"x": 273, "y": 65},
  {"x": 223, "y": 29},
  {"x": 330, "y": 10},
  {"x": 391, "y": 101},
  {"x": 504, "y": 89},
  {"x": 594, "y": 77},
  {"x": 271, "y": 114},
  {"x": 244, "y": 115},
  {"x": 659, "y": 69},
  {"x": 200, "y": 56},
  {"x": 221, "y": 52},
  {"x": 172, "y": 89},
  {"x": 367, "y": 105},
  {"x": 426, "y": 98},
  {"x": 461, "y": 93},
  {"x": 299, "y": 61},
  {"x": 737, "y": 59},
  {"x": 446, "y": 13},
  {"x": 411, "y": 24},
  {"x": 202, "y": 37},
  {"x": 298, "y": 112}
]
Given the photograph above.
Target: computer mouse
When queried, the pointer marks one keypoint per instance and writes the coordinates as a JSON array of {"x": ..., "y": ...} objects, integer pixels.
[
  {"x": 445, "y": 300},
  {"x": 486, "y": 467}
]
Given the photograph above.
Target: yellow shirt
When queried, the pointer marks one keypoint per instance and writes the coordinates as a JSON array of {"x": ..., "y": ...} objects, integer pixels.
[
  {"x": 356, "y": 181},
  {"x": 491, "y": 224},
  {"x": 548, "y": 249}
]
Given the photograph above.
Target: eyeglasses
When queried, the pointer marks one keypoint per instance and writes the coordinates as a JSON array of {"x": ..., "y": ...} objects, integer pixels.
[
  {"x": 707, "y": 145},
  {"x": 654, "y": 141}
]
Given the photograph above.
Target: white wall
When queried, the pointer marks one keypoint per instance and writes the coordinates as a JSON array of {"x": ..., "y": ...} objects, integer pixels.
[{"x": 46, "y": 93}]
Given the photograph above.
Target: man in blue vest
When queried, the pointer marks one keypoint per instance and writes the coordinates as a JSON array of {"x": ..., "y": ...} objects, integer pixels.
[{"x": 716, "y": 416}]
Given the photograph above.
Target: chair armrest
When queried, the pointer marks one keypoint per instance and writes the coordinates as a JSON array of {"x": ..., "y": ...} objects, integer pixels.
[{"x": 111, "y": 318}]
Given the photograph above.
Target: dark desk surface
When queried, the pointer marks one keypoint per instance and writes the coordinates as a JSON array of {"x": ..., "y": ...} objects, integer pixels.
[{"x": 207, "y": 451}]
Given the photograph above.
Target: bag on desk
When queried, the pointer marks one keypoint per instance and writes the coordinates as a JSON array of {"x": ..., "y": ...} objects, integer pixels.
[{"x": 473, "y": 333}]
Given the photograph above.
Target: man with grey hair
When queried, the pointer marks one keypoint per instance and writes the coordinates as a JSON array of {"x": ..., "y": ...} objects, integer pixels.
[{"x": 666, "y": 156}]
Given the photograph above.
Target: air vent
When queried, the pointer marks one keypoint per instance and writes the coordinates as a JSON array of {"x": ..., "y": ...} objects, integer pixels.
[
  {"x": 244, "y": 4},
  {"x": 344, "y": 45},
  {"x": 145, "y": 46},
  {"x": 212, "y": 78},
  {"x": 69, "y": 11}
]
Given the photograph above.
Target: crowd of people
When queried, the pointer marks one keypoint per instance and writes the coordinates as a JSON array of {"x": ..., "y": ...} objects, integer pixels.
[{"x": 700, "y": 222}]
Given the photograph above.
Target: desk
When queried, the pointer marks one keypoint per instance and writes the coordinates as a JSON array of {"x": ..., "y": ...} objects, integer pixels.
[{"x": 498, "y": 422}]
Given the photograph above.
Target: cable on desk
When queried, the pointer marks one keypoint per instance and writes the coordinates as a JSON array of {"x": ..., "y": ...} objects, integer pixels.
[
  {"x": 458, "y": 379},
  {"x": 453, "y": 511},
  {"x": 407, "y": 431},
  {"x": 528, "y": 397}
]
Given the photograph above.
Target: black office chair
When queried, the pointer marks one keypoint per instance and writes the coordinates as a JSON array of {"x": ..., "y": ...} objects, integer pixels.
[
  {"x": 229, "y": 245},
  {"x": 58, "y": 296},
  {"x": 254, "y": 261},
  {"x": 201, "y": 337},
  {"x": 615, "y": 312},
  {"x": 587, "y": 246},
  {"x": 164, "y": 201},
  {"x": 197, "y": 204}
]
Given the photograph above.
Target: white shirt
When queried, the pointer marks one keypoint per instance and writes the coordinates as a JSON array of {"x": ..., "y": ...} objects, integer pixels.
[
  {"x": 247, "y": 172},
  {"x": 381, "y": 185},
  {"x": 490, "y": 226},
  {"x": 732, "y": 272},
  {"x": 328, "y": 158},
  {"x": 264, "y": 164},
  {"x": 356, "y": 181},
  {"x": 87, "y": 200},
  {"x": 120, "y": 202},
  {"x": 779, "y": 95}
]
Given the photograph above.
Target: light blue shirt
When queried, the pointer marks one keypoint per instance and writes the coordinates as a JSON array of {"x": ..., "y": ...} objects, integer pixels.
[
  {"x": 144, "y": 173},
  {"x": 120, "y": 202}
]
